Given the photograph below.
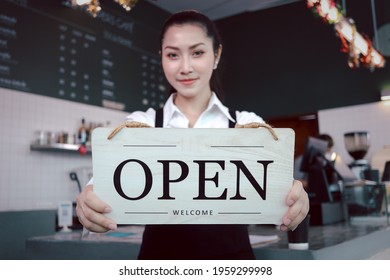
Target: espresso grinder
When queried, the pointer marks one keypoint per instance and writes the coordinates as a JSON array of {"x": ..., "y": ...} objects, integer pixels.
[{"x": 357, "y": 144}]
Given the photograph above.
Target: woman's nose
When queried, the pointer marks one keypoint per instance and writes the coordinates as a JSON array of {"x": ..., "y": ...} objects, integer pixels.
[{"x": 186, "y": 65}]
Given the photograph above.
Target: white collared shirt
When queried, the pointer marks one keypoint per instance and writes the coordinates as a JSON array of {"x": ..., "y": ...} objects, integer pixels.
[{"x": 216, "y": 115}]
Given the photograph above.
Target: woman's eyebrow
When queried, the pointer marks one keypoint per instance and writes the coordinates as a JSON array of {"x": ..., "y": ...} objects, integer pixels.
[{"x": 191, "y": 47}]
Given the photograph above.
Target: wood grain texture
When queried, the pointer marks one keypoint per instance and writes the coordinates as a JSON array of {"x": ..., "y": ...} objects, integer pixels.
[{"x": 173, "y": 169}]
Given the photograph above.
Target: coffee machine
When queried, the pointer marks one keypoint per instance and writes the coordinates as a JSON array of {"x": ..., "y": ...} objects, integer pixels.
[
  {"x": 365, "y": 196},
  {"x": 357, "y": 144}
]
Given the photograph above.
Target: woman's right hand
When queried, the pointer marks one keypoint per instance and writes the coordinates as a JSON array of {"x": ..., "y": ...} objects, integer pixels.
[{"x": 90, "y": 211}]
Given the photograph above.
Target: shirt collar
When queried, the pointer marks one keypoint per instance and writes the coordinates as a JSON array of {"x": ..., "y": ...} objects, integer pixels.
[{"x": 214, "y": 104}]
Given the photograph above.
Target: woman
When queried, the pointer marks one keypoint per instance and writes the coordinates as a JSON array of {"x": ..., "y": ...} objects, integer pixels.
[{"x": 190, "y": 51}]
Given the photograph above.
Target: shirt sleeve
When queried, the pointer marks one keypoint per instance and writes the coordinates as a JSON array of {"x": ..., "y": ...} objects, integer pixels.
[
  {"x": 90, "y": 182},
  {"x": 245, "y": 117},
  {"x": 147, "y": 117}
]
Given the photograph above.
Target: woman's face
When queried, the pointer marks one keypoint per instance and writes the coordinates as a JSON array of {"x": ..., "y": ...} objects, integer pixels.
[{"x": 188, "y": 59}]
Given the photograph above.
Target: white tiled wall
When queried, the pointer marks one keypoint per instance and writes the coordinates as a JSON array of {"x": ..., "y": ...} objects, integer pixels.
[
  {"x": 372, "y": 117},
  {"x": 39, "y": 180}
]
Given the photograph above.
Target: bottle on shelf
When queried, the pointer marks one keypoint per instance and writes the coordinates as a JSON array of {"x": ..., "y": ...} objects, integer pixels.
[
  {"x": 82, "y": 133},
  {"x": 91, "y": 127}
]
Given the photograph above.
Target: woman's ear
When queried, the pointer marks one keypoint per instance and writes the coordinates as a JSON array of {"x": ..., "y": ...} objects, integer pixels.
[{"x": 218, "y": 56}]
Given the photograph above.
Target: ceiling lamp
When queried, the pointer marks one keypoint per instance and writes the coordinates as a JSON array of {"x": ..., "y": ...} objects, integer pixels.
[
  {"x": 359, "y": 47},
  {"x": 127, "y": 4},
  {"x": 93, "y": 6}
]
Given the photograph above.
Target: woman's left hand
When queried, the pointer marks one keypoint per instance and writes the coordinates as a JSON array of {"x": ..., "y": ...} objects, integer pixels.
[{"x": 298, "y": 206}]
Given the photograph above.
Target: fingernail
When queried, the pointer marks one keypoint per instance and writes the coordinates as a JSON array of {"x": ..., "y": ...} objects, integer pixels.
[
  {"x": 283, "y": 228},
  {"x": 290, "y": 202},
  {"x": 112, "y": 226},
  {"x": 107, "y": 210}
]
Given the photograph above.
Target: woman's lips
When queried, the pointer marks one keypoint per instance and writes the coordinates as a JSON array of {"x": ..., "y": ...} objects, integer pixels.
[{"x": 187, "y": 82}]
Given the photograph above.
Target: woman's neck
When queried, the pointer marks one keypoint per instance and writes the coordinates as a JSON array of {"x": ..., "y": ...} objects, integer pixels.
[{"x": 192, "y": 107}]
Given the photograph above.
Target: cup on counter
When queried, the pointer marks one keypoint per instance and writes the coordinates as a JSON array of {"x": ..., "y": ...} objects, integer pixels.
[{"x": 298, "y": 239}]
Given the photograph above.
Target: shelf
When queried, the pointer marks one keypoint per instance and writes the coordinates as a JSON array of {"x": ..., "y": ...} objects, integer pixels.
[{"x": 63, "y": 148}]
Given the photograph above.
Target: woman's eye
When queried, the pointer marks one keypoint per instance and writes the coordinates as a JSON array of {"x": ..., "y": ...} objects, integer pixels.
[
  {"x": 198, "y": 53},
  {"x": 172, "y": 55}
]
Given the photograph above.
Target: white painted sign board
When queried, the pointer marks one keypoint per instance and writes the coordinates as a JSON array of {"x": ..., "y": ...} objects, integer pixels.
[{"x": 194, "y": 176}]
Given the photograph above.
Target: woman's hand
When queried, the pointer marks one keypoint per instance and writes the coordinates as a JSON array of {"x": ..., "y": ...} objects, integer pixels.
[
  {"x": 90, "y": 211},
  {"x": 298, "y": 206}
]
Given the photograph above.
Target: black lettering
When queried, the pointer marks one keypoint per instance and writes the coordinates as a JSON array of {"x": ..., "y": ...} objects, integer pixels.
[
  {"x": 166, "y": 177},
  {"x": 148, "y": 179},
  {"x": 203, "y": 179},
  {"x": 241, "y": 166}
]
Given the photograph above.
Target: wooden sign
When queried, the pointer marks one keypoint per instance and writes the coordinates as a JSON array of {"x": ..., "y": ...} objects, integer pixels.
[{"x": 194, "y": 176}]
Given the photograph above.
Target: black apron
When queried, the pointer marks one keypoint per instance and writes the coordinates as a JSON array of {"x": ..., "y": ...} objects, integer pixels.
[{"x": 195, "y": 242}]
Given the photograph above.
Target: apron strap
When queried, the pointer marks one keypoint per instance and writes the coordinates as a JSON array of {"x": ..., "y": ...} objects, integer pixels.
[{"x": 159, "y": 122}]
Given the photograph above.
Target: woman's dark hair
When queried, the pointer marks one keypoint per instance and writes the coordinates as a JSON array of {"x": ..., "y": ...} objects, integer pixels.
[{"x": 197, "y": 18}]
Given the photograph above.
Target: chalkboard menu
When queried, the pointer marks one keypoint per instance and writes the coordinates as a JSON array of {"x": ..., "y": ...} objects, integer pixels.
[{"x": 50, "y": 48}]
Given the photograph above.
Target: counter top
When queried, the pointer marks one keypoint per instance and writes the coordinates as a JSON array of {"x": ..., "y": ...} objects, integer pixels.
[{"x": 363, "y": 239}]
